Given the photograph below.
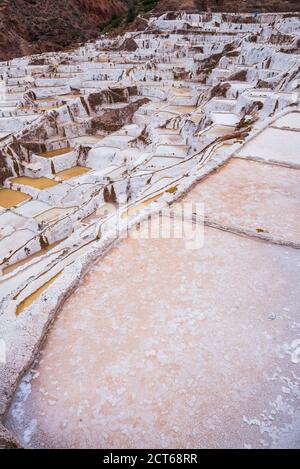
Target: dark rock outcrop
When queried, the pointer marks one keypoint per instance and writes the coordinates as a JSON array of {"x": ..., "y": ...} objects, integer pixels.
[
  {"x": 113, "y": 119},
  {"x": 129, "y": 45}
]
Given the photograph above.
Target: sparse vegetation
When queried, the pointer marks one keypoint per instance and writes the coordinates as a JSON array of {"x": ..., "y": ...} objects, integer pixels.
[{"x": 134, "y": 8}]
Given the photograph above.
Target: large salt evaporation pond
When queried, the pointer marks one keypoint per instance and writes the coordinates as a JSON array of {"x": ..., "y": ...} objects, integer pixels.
[{"x": 154, "y": 350}]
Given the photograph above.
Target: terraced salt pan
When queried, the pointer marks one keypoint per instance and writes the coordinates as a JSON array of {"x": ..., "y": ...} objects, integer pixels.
[
  {"x": 12, "y": 267},
  {"x": 34, "y": 296},
  {"x": 36, "y": 183},
  {"x": 172, "y": 150},
  {"x": 291, "y": 120},
  {"x": 87, "y": 140},
  {"x": 268, "y": 145},
  {"x": 71, "y": 96},
  {"x": 10, "y": 198},
  {"x": 47, "y": 108},
  {"x": 166, "y": 363},
  {"x": 58, "y": 152},
  {"x": 14, "y": 244},
  {"x": 218, "y": 130},
  {"x": 180, "y": 109},
  {"x": 164, "y": 161},
  {"x": 181, "y": 90},
  {"x": 254, "y": 196},
  {"x": 224, "y": 118},
  {"x": 73, "y": 172},
  {"x": 32, "y": 208},
  {"x": 53, "y": 214}
]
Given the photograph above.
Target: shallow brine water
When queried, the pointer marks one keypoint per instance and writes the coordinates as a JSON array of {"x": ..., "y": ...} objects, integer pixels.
[
  {"x": 57, "y": 152},
  {"x": 37, "y": 183},
  {"x": 10, "y": 198}
]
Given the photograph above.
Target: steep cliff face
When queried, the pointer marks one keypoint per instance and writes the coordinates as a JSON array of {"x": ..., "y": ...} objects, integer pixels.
[{"x": 32, "y": 26}]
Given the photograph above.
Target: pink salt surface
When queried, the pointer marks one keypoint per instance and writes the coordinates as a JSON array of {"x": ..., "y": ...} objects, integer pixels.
[
  {"x": 162, "y": 346},
  {"x": 253, "y": 195}
]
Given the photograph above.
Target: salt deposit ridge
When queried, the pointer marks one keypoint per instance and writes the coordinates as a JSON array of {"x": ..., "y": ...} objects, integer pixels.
[{"x": 154, "y": 344}]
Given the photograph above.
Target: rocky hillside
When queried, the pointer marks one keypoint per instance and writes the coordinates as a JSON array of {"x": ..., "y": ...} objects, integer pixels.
[
  {"x": 31, "y": 26},
  {"x": 243, "y": 6}
]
